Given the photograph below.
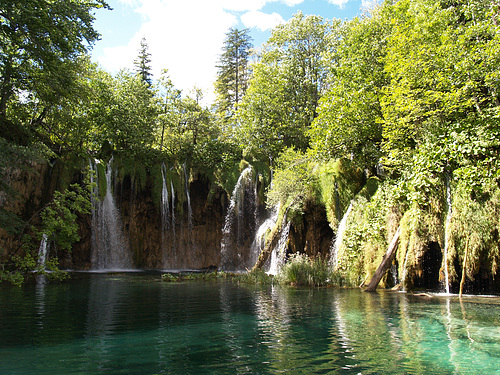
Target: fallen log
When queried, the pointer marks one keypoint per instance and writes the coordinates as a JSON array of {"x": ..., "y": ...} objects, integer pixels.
[
  {"x": 386, "y": 262},
  {"x": 268, "y": 249}
]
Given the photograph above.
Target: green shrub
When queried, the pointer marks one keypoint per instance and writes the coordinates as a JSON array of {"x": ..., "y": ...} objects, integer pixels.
[{"x": 300, "y": 270}]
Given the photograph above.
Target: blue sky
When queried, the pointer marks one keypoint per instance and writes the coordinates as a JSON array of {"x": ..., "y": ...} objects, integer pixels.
[{"x": 186, "y": 36}]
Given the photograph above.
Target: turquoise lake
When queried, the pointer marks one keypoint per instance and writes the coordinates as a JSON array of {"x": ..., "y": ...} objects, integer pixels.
[{"x": 137, "y": 324}]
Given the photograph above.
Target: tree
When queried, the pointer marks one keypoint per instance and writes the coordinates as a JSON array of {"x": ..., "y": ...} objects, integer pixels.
[
  {"x": 287, "y": 83},
  {"x": 143, "y": 63},
  {"x": 39, "y": 40},
  {"x": 233, "y": 72},
  {"x": 350, "y": 117},
  {"x": 169, "y": 98}
]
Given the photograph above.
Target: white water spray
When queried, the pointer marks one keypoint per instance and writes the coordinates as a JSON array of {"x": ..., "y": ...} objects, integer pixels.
[
  {"x": 259, "y": 241},
  {"x": 188, "y": 197},
  {"x": 234, "y": 211},
  {"x": 165, "y": 204},
  {"x": 279, "y": 252},
  {"x": 339, "y": 237},
  {"x": 109, "y": 249},
  {"x": 42, "y": 251}
]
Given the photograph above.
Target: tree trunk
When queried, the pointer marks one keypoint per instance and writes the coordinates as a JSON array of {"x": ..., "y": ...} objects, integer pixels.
[
  {"x": 386, "y": 262},
  {"x": 268, "y": 249}
]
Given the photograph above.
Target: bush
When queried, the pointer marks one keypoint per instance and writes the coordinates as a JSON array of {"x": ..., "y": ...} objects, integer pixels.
[{"x": 300, "y": 270}]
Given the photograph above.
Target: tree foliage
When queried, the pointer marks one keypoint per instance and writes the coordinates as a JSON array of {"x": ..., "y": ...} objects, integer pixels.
[
  {"x": 39, "y": 43},
  {"x": 287, "y": 83},
  {"x": 233, "y": 72},
  {"x": 143, "y": 63}
]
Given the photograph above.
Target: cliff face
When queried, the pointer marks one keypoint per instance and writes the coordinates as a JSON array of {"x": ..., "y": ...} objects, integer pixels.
[
  {"x": 182, "y": 244},
  {"x": 30, "y": 190},
  {"x": 195, "y": 235}
]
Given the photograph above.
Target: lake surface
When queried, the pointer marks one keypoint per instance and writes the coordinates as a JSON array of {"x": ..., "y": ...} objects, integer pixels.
[{"x": 137, "y": 324}]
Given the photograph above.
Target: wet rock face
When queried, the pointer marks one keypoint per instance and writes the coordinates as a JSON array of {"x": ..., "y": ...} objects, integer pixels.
[
  {"x": 185, "y": 243},
  {"x": 314, "y": 235}
]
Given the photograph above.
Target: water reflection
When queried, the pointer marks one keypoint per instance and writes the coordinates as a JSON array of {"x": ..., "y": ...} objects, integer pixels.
[{"x": 139, "y": 324}]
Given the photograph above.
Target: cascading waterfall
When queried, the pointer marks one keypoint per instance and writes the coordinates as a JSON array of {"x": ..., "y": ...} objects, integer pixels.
[
  {"x": 339, "y": 237},
  {"x": 167, "y": 224},
  {"x": 260, "y": 236},
  {"x": 188, "y": 197},
  {"x": 279, "y": 252},
  {"x": 243, "y": 195},
  {"x": 109, "y": 250},
  {"x": 43, "y": 250},
  {"x": 446, "y": 240},
  {"x": 165, "y": 204},
  {"x": 172, "y": 196}
]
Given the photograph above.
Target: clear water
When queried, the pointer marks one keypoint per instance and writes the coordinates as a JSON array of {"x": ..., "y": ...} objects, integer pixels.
[{"x": 137, "y": 324}]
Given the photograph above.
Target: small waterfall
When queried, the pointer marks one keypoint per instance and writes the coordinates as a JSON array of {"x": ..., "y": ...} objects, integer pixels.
[
  {"x": 339, "y": 237},
  {"x": 242, "y": 196},
  {"x": 42, "y": 251},
  {"x": 165, "y": 204},
  {"x": 188, "y": 197},
  {"x": 279, "y": 252},
  {"x": 172, "y": 195},
  {"x": 109, "y": 250},
  {"x": 260, "y": 236},
  {"x": 446, "y": 240}
]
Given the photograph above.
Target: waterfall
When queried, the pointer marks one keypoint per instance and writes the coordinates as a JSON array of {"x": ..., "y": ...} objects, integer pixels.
[
  {"x": 188, "y": 197},
  {"x": 42, "y": 251},
  {"x": 339, "y": 237},
  {"x": 446, "y": 240},
  {"x": 279, "y": 252},
  {"x": 109, "y": 250},
  {"x": 173, "y": 207},
  {"x": 233, "y": 239},
  {"x": 165, "y": 204},
  {"x": 260, "y": 236}
]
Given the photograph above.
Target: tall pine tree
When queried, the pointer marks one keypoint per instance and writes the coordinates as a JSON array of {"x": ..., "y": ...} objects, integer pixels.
[
  {"x": 143, "y": 63},
  {"x": 233, "y": 72}
]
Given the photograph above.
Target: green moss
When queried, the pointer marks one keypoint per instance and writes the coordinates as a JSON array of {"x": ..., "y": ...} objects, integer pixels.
[
  {"x": 339, "y": 181},
  {"x": 475, "y": 224}
]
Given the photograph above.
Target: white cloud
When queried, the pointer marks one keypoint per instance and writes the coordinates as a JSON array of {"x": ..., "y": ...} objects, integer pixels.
[
  {"x": 339, "y": 3},
  {"x": 262, "y": 21},
  {"x": 292, "y": 3},
  {"x": 243, "y": 5},
  {"x": 369, "y": 4},
  {"x": 184, "y": 37}
]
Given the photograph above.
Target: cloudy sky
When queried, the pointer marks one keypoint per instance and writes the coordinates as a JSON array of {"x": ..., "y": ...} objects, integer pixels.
[{"x": 186, "y": 36}]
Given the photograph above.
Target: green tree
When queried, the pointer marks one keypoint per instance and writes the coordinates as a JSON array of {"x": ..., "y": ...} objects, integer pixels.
[
  {"x": 350, "y": 119},
  {"x": 233, "y": 72},
  {"x": 143, "y": 63},
  {"x": 39, "y": 40},
  {"x": 287, "y": 83}
]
